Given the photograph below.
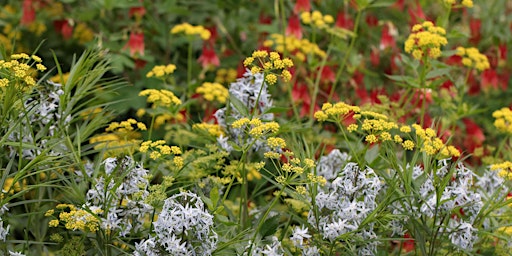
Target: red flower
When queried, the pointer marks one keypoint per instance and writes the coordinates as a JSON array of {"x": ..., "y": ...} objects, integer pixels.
[
  {"x": 137, "y": 12},
  {"x": 344, "y": 21},
  {"x": 29, "y": 13},
  {"x": 489, "y": 79},
  {"x": 375, "y": 56},
  {"x": 372, "y": 21},
  {"x": 208, "y": 57},
  {"x": 408, "y": 243},
  {"x": 327, "y": 75},
  {"x": 399, "y": 4},
  {"x": 213, "y": 35},
  {"x": 474, "y": 135},
  {"x": 64, "y": 28},
  {"x": 302, "y": 6},
  {"x": 135, "y": 43},
  {"x": 386, "y": 38},
  {"x": 474, "y": 28},
  {"x": 293, "y": 27},
  {"x": 417, "y": 15}
]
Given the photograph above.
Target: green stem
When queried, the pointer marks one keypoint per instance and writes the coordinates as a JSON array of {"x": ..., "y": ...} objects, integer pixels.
[
  {"x": 260, "y": 222},
  {"x": 347, "y": 55},
  {"x": 189, "y": 64}
]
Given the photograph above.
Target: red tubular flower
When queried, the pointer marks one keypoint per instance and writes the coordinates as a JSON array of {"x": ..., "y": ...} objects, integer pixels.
[
  {"x": 416, "y": 14},
  {"x": 408, "y": 243},
  {"x": 293, "y": 27},
  {"x": 208, "y": 57},
  {"x": 474, "y": 28},
  {"x": 302, "y": 6},
  {"x": 386, "y": 39},
  {"x": 137, "y": 12},
  {"x": 29, "y": 13},
  {"x": 372, "y": 20},
  {"x": 375, "y": 56},
  {"x": 64, "y": 28},
  {"x": 474, "y": 137},
  {"x": 489, "y": 78},
  {"x": 344, "y": 21},
  {"x": 135, "y": 44},
  {"x": 327, "y": 75},
  {"x": 399, "y": 4}
]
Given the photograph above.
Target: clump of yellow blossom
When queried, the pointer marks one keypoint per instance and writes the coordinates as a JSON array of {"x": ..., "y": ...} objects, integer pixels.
[
  {"x": 83, "y": 33},
  {"x": 504, "y": 169},
  {"x": 191, "y": 30},
  {"x": 425, "y": 41},
  {"x": 471, "y": 57},
  {"x": 160, "y": 71},
  {"x": 300, "y": 48},
  {"x": 465, "y": 3},
  {"x": 271, "y": 64},
  {"x": 503, "y": 120},
  {"x": 76, "y": 218},
  {"x": 158, "y": 149},
  {"x": 119, "y": 137},
  {"x": 377, "y": 128},
  {"x": 213, "y": 91},
  {"x": 336, "y": 112},
  {"x": 162, "y": 97},
  {"x": 316, "y": 18},
  {"x": 225, "y": 75},
  {"x": 18, "y": 71},
  {"x": 212, "y": 129}
]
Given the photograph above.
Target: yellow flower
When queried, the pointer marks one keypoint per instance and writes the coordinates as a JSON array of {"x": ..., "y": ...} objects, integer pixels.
[
  {"x": 503, "y": 120},
  {"x": 472, "y": 58},
  {"x": 408, "y": 145},
  {"x": 425, "y": 40},
  {"x": 213, "y": 91},
  {"x": 162, "y": 97},
  {"x": 188, "y": 29}
]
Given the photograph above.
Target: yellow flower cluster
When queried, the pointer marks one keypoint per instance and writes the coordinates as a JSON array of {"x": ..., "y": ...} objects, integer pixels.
[
  {"x": 191, "y": 30},
  {"x": 83, "y": 33},
  {"x": 336, "y": 112},
  {"x": 19, "y": 70},
  {"x": 466, "y": 3},
  {"x": 162, "y": 97},
  {"x": 158, "y": 149},
  {"x": 378, "y": 129},
  {"x": 213, "y": 129},
  {"x": 316, "y": 18},
  {"x": 503, "y": 120},
  {"x": 471, "y": 57},
  {"x": 76, "y": 219},
  {"x": 161, "y": 70},
  {"x": 271, "y": 64},
  {"x": 213, "y": 91},
  {"x": 505, "y": 169},
  {"x": 425, "y": 40},
  {"x": 256, "y": 127},
  {"x": 125, "y": 126},
  {"x": 120, "y": 137},
  {"x": 12, "y": 187},
  {"x": 225, "y": 75},
  {"x": 300, "y": 48},
  {"x": 253, "y": 170}
]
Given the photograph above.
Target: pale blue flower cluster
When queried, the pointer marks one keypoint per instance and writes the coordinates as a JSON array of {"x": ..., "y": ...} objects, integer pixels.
[
  {"x": 252, "y": 91},
  {"x": 42, "y": 114},
  {"x": 4, "y": 231},
  {"x": 124, "y": 181},
  {"x": 457, "y": 200},
  {"x": 183, "y": 227},
  {"x": 345, "y": 204}
]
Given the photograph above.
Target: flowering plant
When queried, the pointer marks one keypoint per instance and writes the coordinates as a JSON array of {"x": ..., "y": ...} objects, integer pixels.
[{"x": 293, "y": 128}]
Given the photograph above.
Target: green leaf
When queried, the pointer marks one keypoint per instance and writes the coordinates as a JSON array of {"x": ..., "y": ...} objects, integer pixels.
[
  {"x": 372, "y": 154},
  {"x": 238, "y": 105},
  {"x": 276, "y": 110},
  {"x": 269, "y": 227},
  {"x": 438, "y": 72},
  {"x": 214, "y": 196}
]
